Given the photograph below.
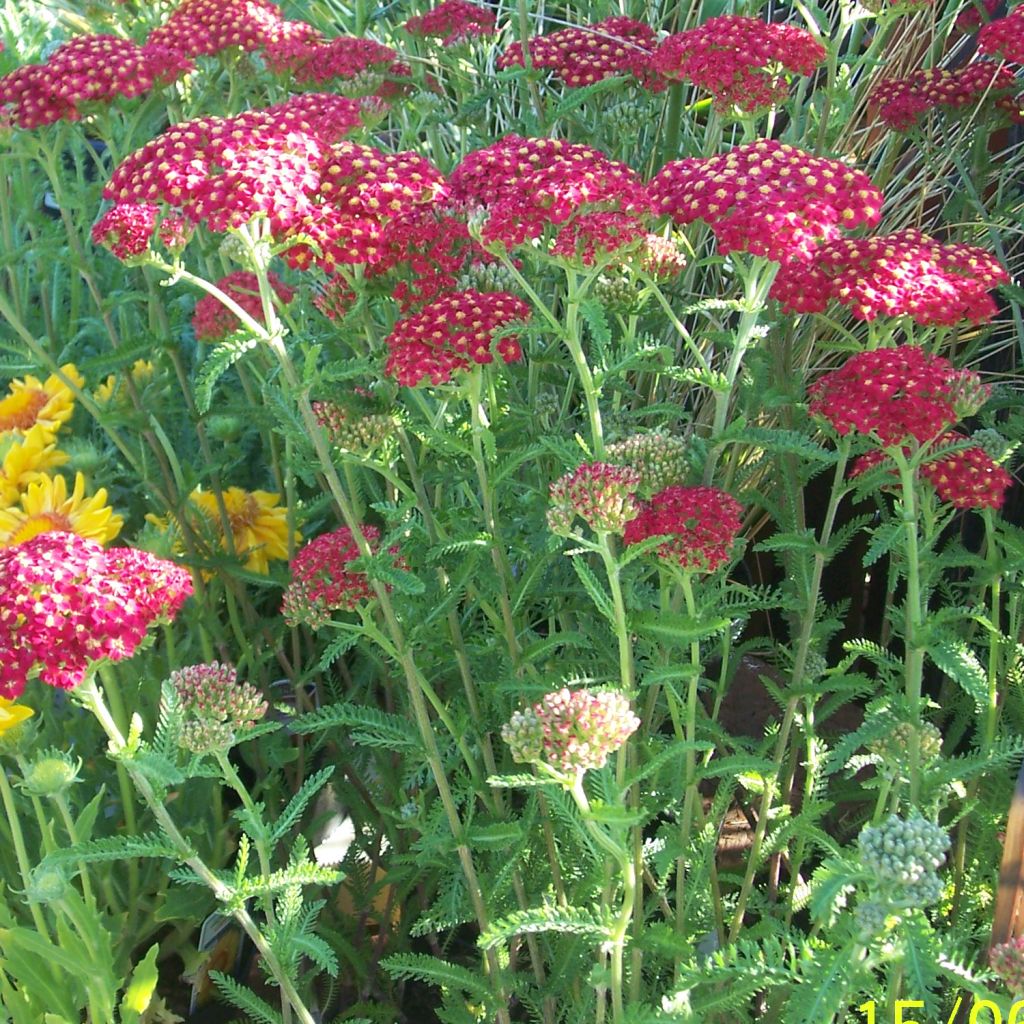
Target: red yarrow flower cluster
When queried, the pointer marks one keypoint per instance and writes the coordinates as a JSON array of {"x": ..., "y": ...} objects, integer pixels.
[
  {"x": 66, "y": 603},
  {"x": 588, "y": 54},
  {"x": 126, "y": 228},
  {"x": 571, "y": 731},
  {"x": 903, "y": 101},
  {"x": 528, "y": 185},
  {"x": 206, "y": 27},
  {"x": 453, "y": 333},
  {"x": 212, "y": 320},
  {"x": 1004, "y": 37},
  {"x": 223, "y": 171},
  {"x": 358, "y": 66},
  {"x": 701, "y": 524},
  {"x": 968, "y": 478},
  {"x": 453, "y": 21},
  {"x": 322, "y": 581},
  {"x": 600, "y": 493},
  {"x": 892, "y": 393},
  {"x": 741, "y": 61},
  {"x": 590, "y": 236},
  {"x": 87, "y": 69},
  {"x": 767, "y": 198},
  {"x": 903, "y": 274},
  {"x": 973, "y": 16}
]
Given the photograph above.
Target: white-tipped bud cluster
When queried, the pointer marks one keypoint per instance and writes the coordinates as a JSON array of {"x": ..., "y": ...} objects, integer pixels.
[
  {"x": 660, "y": 459},
  {"x": 904, "y": 855}
]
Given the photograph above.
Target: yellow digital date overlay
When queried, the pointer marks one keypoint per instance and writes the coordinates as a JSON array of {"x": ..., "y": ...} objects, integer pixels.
[{"x": 905, "y": 1011}]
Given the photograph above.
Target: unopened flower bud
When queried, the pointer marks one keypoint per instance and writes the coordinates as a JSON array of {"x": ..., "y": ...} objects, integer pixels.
[
  {"x": 46, "y": 885},
  {"x": 1007, "y": 960},
  {"x": 51, "y": 774},
  {"x": 599, "y": 493},
  {"x": 660, "y": 459},
  {"x": 904, "y": 854}
]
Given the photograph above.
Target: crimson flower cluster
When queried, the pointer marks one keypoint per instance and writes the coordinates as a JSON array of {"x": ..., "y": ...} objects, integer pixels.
[
  {"x": 223, "y": 171},
  {"x": 126, "y": 229},
  {"x": 588, "y": 54},
  {"x": 600, "y": 493},
  {"x": 967, "y": 478},
  {"x": 66, "y": 603},
  {"x": 212, "y": 320},
  {"x": 571, "y": 731},
  {"x": 700, "y": 523},
  {"x": 87, "y": 69},
  {"x": 741, "y": 61},
  {"x": 527, "y": 185},
  {"x": 322, "y": 581},
  {"x": 205, "y": 27},
  {"x": 971, "y": 18},
  {"x": 767, "y": 198},
  {"x": 903, "y": 274},
  {"x": 903, "y": 101},
  {"x": 1004, "y": 37},
  {"x": 453, "y": 21},
  {"x": 452, "y": 333},
  {"x": 892, "y": 393},
  {"x": 360, "y": 66}
]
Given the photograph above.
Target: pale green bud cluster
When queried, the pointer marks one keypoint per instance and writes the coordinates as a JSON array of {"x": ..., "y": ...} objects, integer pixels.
[
  {"x": 893, "y": 749},
  {"x": 352, "y": 430},
  {"x": 216, "y": 706},
  {"x": 617, "y": 293},
  {"x": 486, "y": 277},
  {"x": 904, "y": 855},
  {"x": 660, "y": 459},
  {"x": 993, "y": 444}
]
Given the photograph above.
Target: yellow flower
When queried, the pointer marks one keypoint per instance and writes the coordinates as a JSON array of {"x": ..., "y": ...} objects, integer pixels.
[
  {"x": 25, "y": 462},
  {"x": 259, "y": 526},
  {"x": 31, "y": 402},
  {"x": 12, "y": 714},
  {"x": 112, "y": 387},
  {"x": 46, "y": 507}
]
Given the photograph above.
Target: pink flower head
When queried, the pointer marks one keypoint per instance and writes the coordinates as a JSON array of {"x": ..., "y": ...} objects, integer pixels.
[
  {"x": 223, "y": 171},
  {"x": 322, "y": 581},
  {"x": 356, "y": 65},
  {"x": 452, "y": 333},
  {"x": 892, "y": 393},
  {"x": 212, "y": 320},
  {"x": 767, "y": 198},
  {"x": 453, "y": 21},
  {"x": 591, "y": 53},
  {"x": 571, "y": 731},
  {"x": 206, "y": 27},
  {"x": 527, "y": 185},
  {"x": 1007, "y": 960},
  {"x": 1004, "y": 37},
  {"x": 700, "y": 522},
  {"x": 903, "y": 101},
  {"x": 601, "y": 494},
  {"x": 903, "y": 274},
  {"x": 741, "y": 61},
  {"x": 87, "y": 69},
  {"x": 66, "y": 603},
  {"x": 126, "y": 228},
  {"x": 590, "y": 235},
  {"x": 216, "y": 706}
]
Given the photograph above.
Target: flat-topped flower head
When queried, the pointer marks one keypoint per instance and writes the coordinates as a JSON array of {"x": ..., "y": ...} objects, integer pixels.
[
  {"x": 45, "y": 506},
  {"x": 86, "y": 70},
  {"x": 453, "y": 21},
  {"x": 767, "y": 198},
  {"x": 352, "y": 64},
  {"x": 322, "y": 580},
  {"x": 700, "y": 525},
  {"x": 976, "y": 14},
  {"x": 902, "y": 102},
  {"x": 526, "y": 186},
  {"x": 581, "y": 56},
  {"x": 660, "y": 459},
  {"x": 66, "y": 603},
  {"x": 223, "y": 171},
  {"x": 30, "y": 402},
  {"x": 206, "y": 27},
  {"x": 1004, "y": 37},
  {"x": 216, "y": 706},
  {"x": 893, "y": 394},
  {"x": 601, "y": 494},
  {"x": 903, "y": 274},
  {"x": 355, "y": 424},
  {"x": 212, "y": 320},
  {"x": 454, "y": 333},
  {"x": 743, "y": 62},
  {"x": 571, "y": 731}
]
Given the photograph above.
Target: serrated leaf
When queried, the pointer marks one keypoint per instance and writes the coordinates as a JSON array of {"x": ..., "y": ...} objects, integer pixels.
[
  {"x": 602, "y": 601},
  {"x": 956, "y": 659},
  {"x": 216, "y": 364},
  {"x": 674, "y": 626},
  {"x": 567, "y": 920}
]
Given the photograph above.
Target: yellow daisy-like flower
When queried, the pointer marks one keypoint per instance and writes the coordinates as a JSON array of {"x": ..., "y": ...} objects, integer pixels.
[
  {"x": 46, "y": 507},
  {"x": 113, "y": 387},
  {"x": 27, "y": 461},
  {"x": 31, "y": 402},
  {"x": 12, "y": 714}
]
